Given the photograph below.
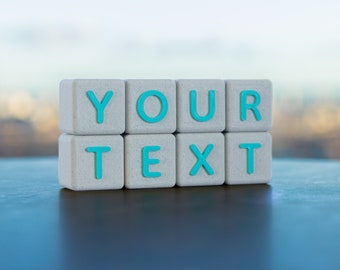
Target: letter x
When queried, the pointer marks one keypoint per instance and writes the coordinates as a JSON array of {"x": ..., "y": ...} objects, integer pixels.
[{"x": 202, "y": 159}]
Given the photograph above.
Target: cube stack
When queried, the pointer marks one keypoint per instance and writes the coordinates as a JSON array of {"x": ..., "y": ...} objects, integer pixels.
[{"x": 162, "y": 133}]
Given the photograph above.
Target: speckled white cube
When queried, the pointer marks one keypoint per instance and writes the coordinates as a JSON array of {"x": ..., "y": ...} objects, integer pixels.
[
  {"x": 79, "y": 115},
  {"x": 78, "y": 167},
  {"x": 207, "y": 114},
  {"x": 157, "y": 152},
  {"x": 238, "y": 152},
  {"x": 157, "y": 99},
  {"x": 210, "y": 147},
  {"x": 256, "y": 117}
]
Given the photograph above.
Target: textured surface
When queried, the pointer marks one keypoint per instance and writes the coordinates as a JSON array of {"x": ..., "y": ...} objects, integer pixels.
[
  {"x": 234, "y": 88},
  {"x": 78, "y": 115},
  {"x": 239, "y": 162},
  {"x": 208, "y": 121},
  {"x": 293, "y": 223},
  {"x": 78, "y": 168},
  {"x": 152, "y": 106},
  {"x": 164, "y": 159},
  {"x": 188, "y": 161}
]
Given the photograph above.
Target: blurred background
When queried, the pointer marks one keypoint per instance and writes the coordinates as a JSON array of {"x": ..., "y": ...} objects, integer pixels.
[{"x": 296, "y": 44}]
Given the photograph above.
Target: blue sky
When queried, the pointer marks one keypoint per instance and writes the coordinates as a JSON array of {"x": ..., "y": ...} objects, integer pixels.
[{"x": 295, "y": 43}]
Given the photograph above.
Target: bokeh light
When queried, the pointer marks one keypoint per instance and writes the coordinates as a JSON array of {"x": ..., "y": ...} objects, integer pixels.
[{"x": 296, "y": 44}]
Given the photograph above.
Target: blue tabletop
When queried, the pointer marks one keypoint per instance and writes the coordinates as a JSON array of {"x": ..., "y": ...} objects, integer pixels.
[{"x": 293, "y": 223}]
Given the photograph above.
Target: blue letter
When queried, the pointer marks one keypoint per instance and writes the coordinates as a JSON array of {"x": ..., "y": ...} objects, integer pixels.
[
  {"x": 202, "y": 160},
  {"x": 147, "y": 161},
  {"x": 164, "y": 106},
  {"x": 98, "y": 151},
  {"x": 251, "y": 155},
  {"x": 253, "y": 107},
  {"x": 193, "y": 106},
  {"x": 100, "y": 106}
]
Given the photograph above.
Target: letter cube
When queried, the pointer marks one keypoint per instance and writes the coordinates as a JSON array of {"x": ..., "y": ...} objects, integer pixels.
[
  {"x": 200, "y": 105},
  {"x": 248, "y": 158},
  {"x": 151, "y": 106},
  {"x": 248, "y": 105},
  {"x": 150, "y": 161},
  {"x": 200, "y": 159},
  {"x": 91, "y": 162},
  {"x": 89, "y": 107}
]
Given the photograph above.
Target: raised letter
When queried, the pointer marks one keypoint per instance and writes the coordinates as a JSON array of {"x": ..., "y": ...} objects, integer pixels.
[
  {"x": 147, "y": 161},
  {"x": 100, "y": 106},
  {"x": 253, "y": 107},
  {"x": 250, "y": 155},
  {"x": 98, "y": 152},
  {"x": 164, "y": 106},
  {"x": 202, "y": 159},
  {"x": 211, "y": 110}
]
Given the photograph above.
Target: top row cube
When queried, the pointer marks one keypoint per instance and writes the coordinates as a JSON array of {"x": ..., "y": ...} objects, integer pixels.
[{"x": 164, "y": 106}]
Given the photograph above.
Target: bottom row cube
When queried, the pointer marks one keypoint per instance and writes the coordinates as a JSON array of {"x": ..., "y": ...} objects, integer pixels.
[{"x": 164, "y": 160}]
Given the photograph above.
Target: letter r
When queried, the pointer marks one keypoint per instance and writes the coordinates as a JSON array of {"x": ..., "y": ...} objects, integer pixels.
[{"x": 250, "y": 106}]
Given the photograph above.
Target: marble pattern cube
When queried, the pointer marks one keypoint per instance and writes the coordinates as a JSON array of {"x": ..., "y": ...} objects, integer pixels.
[
  {"x": 89, "y": 107},
  {"x": 200, "y": 159},
  {"x": 91, "y": 162},
  {"x": 248, "y": 158},
  {"x": 200, "y": 105},
  {"x": 150, "y": 161},
  {"x": 150, "y": 106},
  {"x": 248, "y": 105}
]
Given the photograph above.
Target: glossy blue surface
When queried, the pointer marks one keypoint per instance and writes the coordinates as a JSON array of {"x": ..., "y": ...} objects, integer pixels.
[{"x": 294, "y": 223}]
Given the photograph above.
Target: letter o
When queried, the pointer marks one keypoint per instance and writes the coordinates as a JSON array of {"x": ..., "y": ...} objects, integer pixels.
[{"x": 164, "y": 106}]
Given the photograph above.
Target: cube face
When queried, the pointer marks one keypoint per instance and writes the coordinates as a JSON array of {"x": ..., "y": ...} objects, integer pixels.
[
  {"x": 248, "y": 158},
  {"x": 89, "y": 107},
  {"x": 200, "y": 159},
  {"x": 200, "y": 105},
  {"x": 91, "y": 162},
  {"x": 150, "y": 161},
  {"x": 248, "y": 105},
  {"x": 151, "y": 106}
]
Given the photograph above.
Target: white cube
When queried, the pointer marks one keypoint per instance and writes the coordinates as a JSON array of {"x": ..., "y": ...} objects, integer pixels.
[
  {"x": 248, "y": 158},
  {"x": 200, "y": 105},
  {"x": 150, "y": 161},
  {"x": 91, "y": 162},
  {"x": 151, "y": 106},
  {"x": 200, "y": 159},
  {"x": 248, "y": 105},
  {"x": 89, "y": 107}
]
